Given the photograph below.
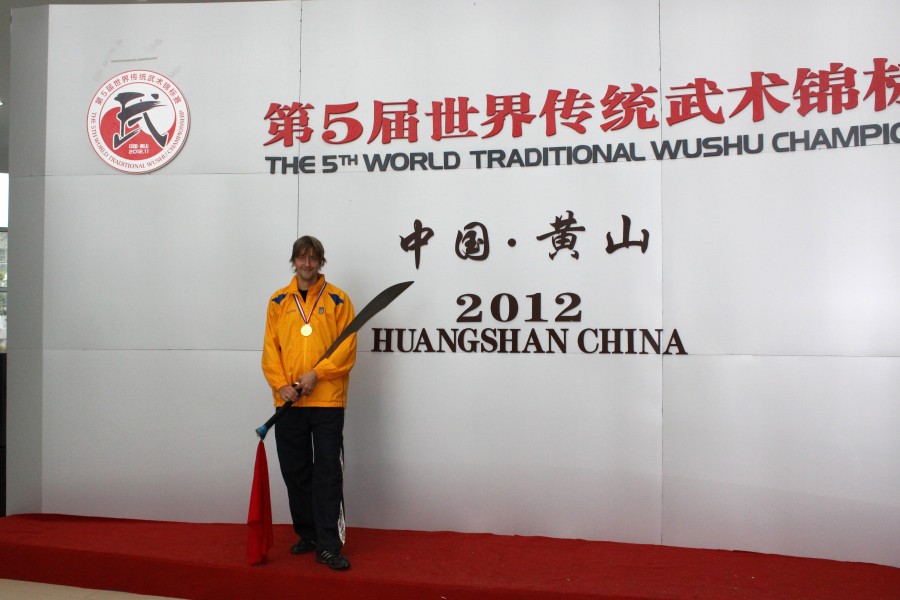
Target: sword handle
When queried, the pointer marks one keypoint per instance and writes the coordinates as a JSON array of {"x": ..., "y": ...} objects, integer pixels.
[{"x": 262, "y": 430}]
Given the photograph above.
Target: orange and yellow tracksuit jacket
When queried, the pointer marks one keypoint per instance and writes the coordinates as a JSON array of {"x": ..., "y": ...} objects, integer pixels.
[{"x": 288, "y": 354}]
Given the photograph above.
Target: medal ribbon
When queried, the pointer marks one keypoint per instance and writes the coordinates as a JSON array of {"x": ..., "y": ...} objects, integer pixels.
[{"x": 303, "y": 314}]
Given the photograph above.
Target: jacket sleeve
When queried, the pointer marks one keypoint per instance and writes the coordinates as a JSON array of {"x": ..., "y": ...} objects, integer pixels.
[
  {"x": 272, "y": 365},
  {"x": 344, "y": 356}
]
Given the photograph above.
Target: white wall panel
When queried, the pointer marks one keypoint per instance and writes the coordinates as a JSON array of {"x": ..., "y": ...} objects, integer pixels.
[
  {"x": 766, "y": 262},
  {"x": 539, "y": 445},
  {"x": 25, "y": 256},
  {"x": 227, "y": 59},
  {"x": 153, "y": 435},
  {"x": 26, "y": 262},
  {"x": 167, "y": 262},
  {"x": 429, "y": 51},
  {"x": 794, "y": 455},
  {"x": 24, "y": 431},
  {"x": 28, "y": 68},
  {"x": 725, "y": 42}
]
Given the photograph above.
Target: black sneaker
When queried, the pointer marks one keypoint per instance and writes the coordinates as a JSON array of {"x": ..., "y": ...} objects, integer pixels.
[
  {"x": 303, "y": 546},
  {"x": 336, "y": 561}
]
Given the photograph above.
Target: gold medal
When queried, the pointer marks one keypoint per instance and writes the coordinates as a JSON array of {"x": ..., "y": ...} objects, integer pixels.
[{"x": 306, "y": 328}]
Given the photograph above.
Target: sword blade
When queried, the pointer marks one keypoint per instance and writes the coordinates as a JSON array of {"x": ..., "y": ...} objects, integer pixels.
[{"x": 376, "y": 305}]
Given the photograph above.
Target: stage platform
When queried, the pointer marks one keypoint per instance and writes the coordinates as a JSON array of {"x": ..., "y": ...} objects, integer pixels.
[{"x": 190, "y": 560}]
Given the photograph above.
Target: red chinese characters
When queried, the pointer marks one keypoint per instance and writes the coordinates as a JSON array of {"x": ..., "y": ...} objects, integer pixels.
[
  {"x": 620, "y": 108},
  {"x": 571, "y": 108},
  {"x": 515, "y": 109},
  {"x": 758, "y": 97},
  {"x": 884, "y": 80},
  {"x": 832, "y": 89},
  {"x": 450, "y": 118},
  {"x": 288, "y": 123}
]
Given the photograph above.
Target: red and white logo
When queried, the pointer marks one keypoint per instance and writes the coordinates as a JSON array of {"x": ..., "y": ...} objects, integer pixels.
[{"x": 138, "y": 121}]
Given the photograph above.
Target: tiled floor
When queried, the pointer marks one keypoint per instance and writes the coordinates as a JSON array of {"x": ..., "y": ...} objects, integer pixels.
[{"x": 11, "y": 589}]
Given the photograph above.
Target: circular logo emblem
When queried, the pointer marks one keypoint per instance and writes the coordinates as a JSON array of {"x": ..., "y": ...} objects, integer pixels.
[{"x": 138, "y": 121}]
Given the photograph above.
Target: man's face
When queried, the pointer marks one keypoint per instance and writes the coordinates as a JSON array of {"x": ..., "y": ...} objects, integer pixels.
[{"x": 307, "y": 266}]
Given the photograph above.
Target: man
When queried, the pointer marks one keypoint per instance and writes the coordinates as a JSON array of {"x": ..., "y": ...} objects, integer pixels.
[{"x": 303, "y": 320}]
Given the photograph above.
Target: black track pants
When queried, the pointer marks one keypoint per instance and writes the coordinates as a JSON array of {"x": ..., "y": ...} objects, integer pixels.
[{"x": 310, "y": 445}]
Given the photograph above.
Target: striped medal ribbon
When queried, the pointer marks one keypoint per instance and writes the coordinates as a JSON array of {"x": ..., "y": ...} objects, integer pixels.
[{"x": 306, "y": 330}]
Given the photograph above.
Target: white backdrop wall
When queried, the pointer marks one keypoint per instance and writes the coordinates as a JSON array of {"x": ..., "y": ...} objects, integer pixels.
[{"x": 764, "y": 422}]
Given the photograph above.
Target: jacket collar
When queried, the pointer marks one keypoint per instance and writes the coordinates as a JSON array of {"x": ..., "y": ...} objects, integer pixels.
[{"x": 314, "y": 290}]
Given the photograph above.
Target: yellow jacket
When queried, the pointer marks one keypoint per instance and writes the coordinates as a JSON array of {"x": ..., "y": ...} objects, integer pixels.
[{"x": 288, "y": 354}]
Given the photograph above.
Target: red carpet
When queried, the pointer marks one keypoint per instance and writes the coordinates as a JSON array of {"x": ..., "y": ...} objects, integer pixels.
[{"x": 190, "y": 560}]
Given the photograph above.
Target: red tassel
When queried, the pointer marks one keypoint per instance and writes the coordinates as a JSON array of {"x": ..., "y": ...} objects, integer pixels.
[{"x": 259, "y": 517}]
